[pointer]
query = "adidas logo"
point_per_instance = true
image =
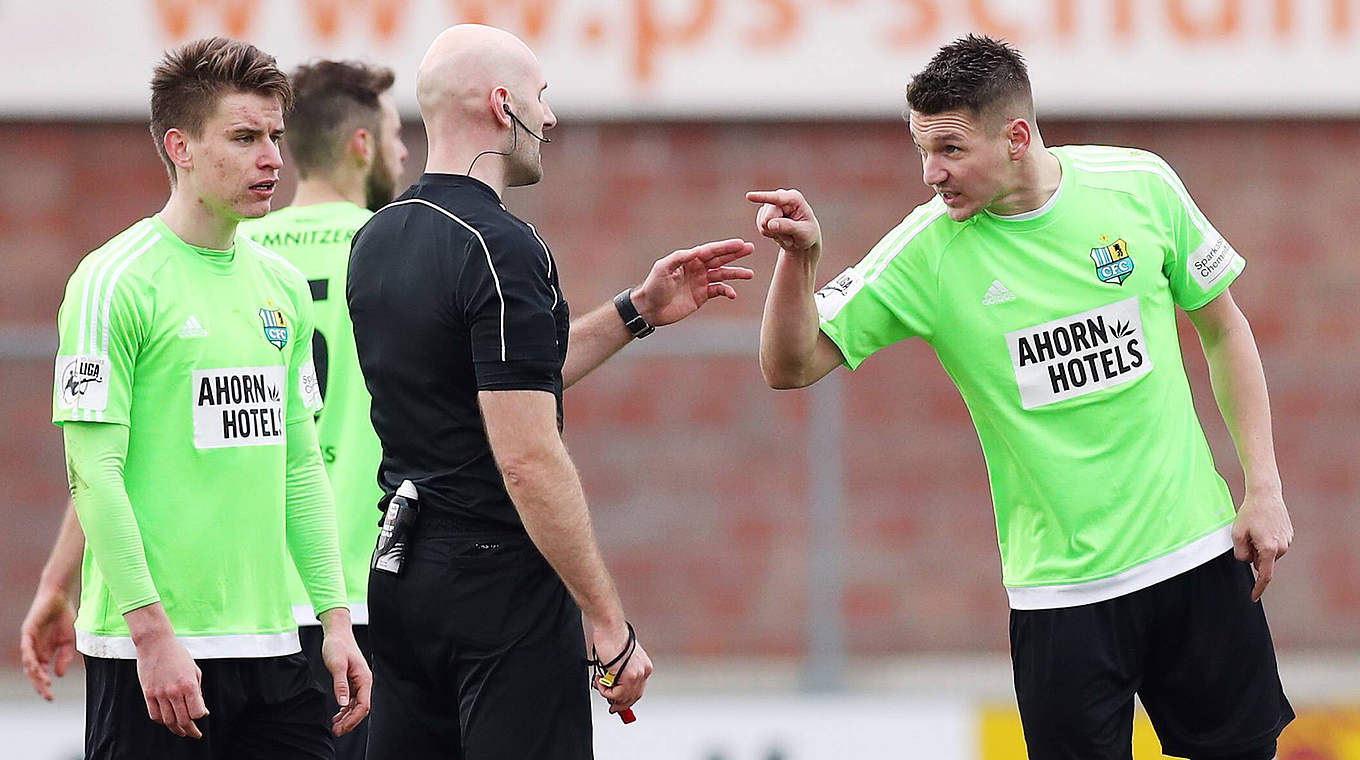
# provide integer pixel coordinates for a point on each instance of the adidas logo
(996, 294)
(193, 328)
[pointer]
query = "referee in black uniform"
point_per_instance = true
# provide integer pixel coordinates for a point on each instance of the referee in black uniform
(463, 335)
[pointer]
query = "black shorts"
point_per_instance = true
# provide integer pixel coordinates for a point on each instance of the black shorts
(258, 709)
(1195, 649)
(351, 745)
(478, 654)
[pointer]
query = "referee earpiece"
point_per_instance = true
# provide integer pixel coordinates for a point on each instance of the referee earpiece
(506, 107)
(517, 123)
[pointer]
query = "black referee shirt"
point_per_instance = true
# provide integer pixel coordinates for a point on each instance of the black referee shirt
(451, 294)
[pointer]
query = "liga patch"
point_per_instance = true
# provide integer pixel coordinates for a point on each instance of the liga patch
(836, 294)
(238, 406)
(1079, 354)
(1212, 260)
(82, 382)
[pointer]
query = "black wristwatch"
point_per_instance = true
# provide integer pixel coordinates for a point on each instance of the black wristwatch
(623, 303)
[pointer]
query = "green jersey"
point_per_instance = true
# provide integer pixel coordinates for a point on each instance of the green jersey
(1058, 328)
(316, 240)
(205, 356)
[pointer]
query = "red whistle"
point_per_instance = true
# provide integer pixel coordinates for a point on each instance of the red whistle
(627, 716)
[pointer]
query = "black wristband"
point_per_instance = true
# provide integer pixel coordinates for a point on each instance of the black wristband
(623, 303)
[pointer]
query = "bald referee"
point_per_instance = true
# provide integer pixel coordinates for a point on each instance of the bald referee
(463, 334)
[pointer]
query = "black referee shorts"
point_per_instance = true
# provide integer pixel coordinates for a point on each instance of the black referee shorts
(263, 708)
(1195, 649)
(351, 745)
(478, 655)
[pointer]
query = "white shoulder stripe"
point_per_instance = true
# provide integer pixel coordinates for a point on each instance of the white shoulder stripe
(103, 347)
(895, 242)
(265, 252)
(115, 249)
(494, 277)
(102, 317)
(548, 257)
(1151, 167)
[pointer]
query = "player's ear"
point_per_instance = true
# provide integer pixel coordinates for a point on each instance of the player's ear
(362, 146)
(177, 148)
(1019, 135)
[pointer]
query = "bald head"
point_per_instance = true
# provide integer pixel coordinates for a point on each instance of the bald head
(472, 81)
(465, 64)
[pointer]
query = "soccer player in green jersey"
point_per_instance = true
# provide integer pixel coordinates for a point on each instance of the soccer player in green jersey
(186, 393)
(344, 137)
(1046, 280)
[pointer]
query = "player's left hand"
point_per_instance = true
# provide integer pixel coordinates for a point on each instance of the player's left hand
(1262, 534)
(684, 280)
(352, 680)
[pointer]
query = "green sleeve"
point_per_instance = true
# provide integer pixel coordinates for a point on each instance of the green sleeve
(312, 536)
(304, 393)
(1201, 263)
(95, 455)
(100, 329)
(887, 297)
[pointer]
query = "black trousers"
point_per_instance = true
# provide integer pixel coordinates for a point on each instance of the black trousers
(478, 654)
(264, 708)
(1195, 649)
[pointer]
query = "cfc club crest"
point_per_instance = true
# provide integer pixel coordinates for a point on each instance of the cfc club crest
(275, 327)
(1113, 262)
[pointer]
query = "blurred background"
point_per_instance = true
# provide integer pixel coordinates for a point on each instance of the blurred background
(814, 572)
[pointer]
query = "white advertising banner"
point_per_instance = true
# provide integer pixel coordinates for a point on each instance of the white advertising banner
(729, 58)
(717, 727)
(792, 727)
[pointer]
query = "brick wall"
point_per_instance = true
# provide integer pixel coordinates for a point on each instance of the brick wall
(697, 472)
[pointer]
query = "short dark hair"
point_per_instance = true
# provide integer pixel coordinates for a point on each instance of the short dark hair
(190, 79)
(333, 99)
(973, 73)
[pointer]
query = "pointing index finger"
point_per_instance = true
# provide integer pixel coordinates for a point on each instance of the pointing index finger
(774, 197)
(1264, 572)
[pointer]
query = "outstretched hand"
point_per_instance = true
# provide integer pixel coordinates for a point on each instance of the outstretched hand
(683, 281)
(786, 218)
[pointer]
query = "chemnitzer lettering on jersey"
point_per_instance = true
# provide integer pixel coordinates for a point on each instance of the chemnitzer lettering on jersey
(238, 406)
(83, 382)
(276, 240)
(1079, 354)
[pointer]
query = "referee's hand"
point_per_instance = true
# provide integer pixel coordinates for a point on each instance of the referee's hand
(628, 685)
